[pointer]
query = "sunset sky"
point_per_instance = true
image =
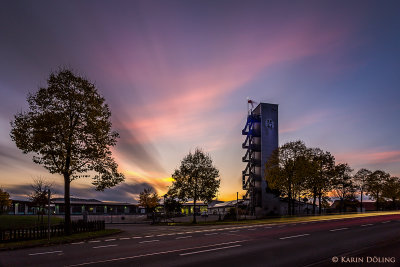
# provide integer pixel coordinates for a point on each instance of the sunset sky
(176, 75)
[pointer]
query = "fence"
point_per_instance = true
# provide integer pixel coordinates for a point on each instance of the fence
(40, 232)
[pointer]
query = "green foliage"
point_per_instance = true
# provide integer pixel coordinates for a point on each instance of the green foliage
(196, 179)
(172, 205)
(68, 129)
(344, 188)
(375, 184)
(391, 189)
(5, 200)
(149, 199)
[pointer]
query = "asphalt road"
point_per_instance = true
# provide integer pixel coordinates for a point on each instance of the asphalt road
(366, 241)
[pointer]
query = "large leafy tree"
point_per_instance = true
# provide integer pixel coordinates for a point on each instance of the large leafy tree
(149, 199)
(5, 200)
(319, 182)
(285, 171)
(343, 184)
(391, 189)
(68, 129)
(196, 179)
(375, 184)
(360, 181)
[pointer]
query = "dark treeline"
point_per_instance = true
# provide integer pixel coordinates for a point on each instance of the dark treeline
(297, 172)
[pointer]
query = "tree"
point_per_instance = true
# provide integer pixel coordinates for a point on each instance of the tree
(5, 200)
(284, 171)
(68, 128)
(149, 199)
(360, 181)
(391, 189)
(196, 179)
(40, 196)
(172, 205)
(319, 182)
(374, 185)
(343, 186)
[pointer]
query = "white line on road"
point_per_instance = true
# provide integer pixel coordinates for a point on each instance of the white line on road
(293, 236)
(77, 243)
(94, 241)
(106, 246)
(124, 238)
(136, 237)
(212, 234)
(47, 252)
(149, 235)
(182, 237)
(367, 224)
(339, 229)
(281, 226)
(386, 222)
(149, 241)
(207, 250)
(251, 229)
(156, 253)
(108, 240)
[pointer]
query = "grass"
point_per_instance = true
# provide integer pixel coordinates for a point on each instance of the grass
(58, 239)
(25, 221)
(290, 219)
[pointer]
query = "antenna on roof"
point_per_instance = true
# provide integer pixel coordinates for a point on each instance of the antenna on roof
(250, 105)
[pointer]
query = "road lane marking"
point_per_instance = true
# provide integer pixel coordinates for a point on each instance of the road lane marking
(108, 240)
(339, 229)
(281, 226)
(94, 241)
(211, 234)
(149, 236)
(107, 246)
(251, 229)
(182, 237)
(293, 236)
(369, 224)
(188, 232)
(124, 238)
(386, 222)
(149, 241)
(77, 243)
(207, 250)
(155, 253)
(47, 252)
(136, 237)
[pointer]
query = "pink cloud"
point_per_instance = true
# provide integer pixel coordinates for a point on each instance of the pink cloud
(369, 157)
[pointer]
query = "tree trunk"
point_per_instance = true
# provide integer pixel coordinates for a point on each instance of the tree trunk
(67, 202)
(194, 211)
(361, 201)
(320, 203)
(377, 202)
(314, 201)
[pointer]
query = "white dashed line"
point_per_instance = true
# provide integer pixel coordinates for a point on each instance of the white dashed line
(367, 224)
(212, 234)
(108, 240)
(386, 222)
(135, 237)
(207, 250)
(234, 231)
(182, 237)
(105, 246)
(339, 229)
(77, 243)
(293, 236)
(251, 229)
(124, 238)
(47, 252)
(149, 236)
(149, 241)
(94, 241)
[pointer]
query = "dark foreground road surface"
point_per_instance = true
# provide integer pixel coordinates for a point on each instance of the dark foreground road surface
(369, 241)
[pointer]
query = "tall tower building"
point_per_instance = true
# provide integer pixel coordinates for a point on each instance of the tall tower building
(261, 131)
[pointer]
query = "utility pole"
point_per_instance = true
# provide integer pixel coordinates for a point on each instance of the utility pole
(48, 215)
(237, 206)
